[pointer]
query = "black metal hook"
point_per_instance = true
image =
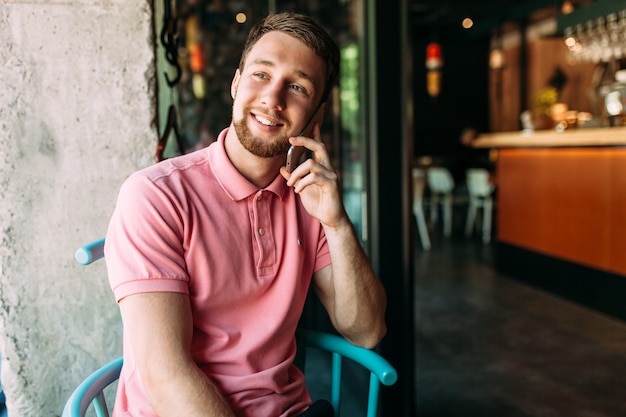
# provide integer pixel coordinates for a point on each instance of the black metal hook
(171, 125)
(169, 40)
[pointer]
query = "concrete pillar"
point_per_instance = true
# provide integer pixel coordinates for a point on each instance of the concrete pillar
(77, 106)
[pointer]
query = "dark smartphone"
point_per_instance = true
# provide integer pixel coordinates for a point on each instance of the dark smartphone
(295, 153)
(294, 157)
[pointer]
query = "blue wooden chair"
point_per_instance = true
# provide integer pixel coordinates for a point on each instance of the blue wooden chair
(91, 390)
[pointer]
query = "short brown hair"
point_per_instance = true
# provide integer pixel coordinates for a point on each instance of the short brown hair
(305, 29)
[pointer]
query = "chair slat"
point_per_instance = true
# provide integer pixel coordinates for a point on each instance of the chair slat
(335, 394)
(100, 405)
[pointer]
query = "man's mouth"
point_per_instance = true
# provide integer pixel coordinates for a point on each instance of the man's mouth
(267, 122)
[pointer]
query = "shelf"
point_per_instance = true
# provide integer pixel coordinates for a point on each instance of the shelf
(615, 136)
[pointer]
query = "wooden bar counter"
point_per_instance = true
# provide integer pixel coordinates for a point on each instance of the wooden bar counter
(563, 195)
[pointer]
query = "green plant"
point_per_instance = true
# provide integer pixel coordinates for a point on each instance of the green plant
(543, 100)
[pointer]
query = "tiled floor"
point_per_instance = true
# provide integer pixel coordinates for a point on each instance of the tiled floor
(488, 345)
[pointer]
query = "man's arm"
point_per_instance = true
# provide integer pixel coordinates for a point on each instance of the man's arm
(160, 327)
(352, 294)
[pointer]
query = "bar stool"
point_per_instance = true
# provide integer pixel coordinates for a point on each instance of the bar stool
(441, 185)
(480, 191)
(419, 183)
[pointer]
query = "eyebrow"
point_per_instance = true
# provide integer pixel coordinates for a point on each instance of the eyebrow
(268, 63)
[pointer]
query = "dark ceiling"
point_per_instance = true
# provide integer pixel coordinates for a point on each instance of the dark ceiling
(486, 14)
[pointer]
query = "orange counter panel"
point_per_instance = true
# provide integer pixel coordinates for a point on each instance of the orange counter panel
(569, 203)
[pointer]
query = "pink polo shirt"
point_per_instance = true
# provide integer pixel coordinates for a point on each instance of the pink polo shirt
(245, 256)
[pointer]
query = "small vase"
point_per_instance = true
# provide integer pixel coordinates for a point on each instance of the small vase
(543, 122)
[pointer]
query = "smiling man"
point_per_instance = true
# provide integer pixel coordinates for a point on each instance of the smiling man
(211, 254)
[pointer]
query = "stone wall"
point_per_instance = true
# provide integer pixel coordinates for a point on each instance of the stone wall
(77, 104)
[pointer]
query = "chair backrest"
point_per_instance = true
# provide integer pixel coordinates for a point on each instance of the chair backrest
(90, 253)
(478, 183)
(381, 371)
(91, 390)
(419, 183)
(440, 180)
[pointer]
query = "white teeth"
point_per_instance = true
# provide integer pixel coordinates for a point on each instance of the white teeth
(265, 121)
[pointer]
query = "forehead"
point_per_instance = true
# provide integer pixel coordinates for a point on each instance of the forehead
(277, 49)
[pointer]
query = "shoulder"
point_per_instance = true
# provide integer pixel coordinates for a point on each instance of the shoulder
(170, 174)
(178, 166)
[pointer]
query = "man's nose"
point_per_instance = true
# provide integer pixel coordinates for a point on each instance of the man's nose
(273, 96)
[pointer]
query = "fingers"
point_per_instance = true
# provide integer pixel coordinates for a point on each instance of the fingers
(315, 145)
(319, 164)
(317, 170)
(312, 173)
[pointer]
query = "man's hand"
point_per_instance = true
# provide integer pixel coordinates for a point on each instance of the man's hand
(317, 182)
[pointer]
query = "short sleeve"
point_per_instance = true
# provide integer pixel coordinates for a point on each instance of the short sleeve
(143, 247)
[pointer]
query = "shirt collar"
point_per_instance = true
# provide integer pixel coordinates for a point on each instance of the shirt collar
(230, 179)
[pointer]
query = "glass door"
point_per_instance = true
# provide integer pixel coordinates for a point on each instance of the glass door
(210, 36)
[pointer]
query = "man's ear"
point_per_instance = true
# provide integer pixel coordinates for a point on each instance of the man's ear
(235, 83)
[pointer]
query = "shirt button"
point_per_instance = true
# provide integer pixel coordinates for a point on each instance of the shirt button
(261, 231)
(259, 197)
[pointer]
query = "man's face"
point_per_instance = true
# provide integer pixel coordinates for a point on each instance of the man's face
(277, 92)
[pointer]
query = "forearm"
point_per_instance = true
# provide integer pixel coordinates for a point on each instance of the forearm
(184, 391)
(358, 297)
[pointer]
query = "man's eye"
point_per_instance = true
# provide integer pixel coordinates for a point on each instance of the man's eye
(260, 75)
(298, 88)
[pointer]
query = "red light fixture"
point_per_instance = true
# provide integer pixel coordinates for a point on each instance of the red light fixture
(434, 62)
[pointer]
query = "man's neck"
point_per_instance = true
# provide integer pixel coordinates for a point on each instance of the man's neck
(259, 171)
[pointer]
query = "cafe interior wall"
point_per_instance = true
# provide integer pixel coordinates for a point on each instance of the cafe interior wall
(473, 95)
(77, 111)
(543, 57)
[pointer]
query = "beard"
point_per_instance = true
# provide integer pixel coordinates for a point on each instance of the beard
(258, 146)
